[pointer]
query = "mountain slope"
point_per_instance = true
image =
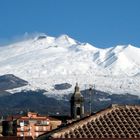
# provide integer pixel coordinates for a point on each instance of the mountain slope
(46, 61)
(10, 81)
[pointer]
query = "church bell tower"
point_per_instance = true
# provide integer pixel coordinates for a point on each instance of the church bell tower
(77, 104)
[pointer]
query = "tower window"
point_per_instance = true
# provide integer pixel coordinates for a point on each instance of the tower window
(78, 110)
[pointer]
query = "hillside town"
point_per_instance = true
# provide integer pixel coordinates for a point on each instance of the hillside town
(116, 121)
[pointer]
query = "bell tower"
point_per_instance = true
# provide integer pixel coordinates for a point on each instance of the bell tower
(77, 104)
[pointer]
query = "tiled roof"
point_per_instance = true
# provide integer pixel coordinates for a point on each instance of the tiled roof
(20, 117)
(39, 118)
(114, 122)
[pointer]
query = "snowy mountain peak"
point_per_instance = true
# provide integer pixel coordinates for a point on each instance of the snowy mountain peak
(120, 48)
(41, 36)
(86, 47)
(44, 61)
(65, 39)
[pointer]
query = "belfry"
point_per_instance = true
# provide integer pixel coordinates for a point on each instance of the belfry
(77, 104)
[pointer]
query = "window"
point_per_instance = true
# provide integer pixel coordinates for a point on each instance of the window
(37, 128)
(36, 134)
(22, 128)
(78, 110)
(44, 128)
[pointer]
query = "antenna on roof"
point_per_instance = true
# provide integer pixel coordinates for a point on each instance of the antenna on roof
(91, 88)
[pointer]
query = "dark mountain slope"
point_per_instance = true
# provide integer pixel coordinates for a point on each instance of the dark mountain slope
(9, 81)
(38, 102)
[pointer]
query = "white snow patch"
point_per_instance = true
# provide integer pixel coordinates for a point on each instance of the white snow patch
(48, 61)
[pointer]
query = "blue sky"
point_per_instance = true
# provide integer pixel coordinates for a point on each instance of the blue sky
(103, 23)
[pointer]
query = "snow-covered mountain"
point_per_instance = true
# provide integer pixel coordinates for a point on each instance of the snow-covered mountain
(45, 61)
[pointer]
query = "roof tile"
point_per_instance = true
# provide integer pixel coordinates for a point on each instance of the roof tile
(114, 122)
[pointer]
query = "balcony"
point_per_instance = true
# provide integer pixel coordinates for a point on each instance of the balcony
(23, 129)
(42, 128)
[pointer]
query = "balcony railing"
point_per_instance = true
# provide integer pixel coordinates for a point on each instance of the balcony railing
(23, 129)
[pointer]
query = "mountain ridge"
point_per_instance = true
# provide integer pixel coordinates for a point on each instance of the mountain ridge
(44, 61)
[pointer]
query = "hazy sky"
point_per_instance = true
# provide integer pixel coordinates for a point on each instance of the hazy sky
(103, 23)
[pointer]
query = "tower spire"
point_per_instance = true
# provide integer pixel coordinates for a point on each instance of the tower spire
(77, 89)
(77, 106)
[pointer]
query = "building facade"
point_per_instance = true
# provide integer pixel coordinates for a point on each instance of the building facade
(30, 125)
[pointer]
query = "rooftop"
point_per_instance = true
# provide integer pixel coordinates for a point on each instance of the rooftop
(113, 122)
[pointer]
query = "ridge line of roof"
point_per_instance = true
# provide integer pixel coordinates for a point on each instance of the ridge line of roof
(83, 121)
